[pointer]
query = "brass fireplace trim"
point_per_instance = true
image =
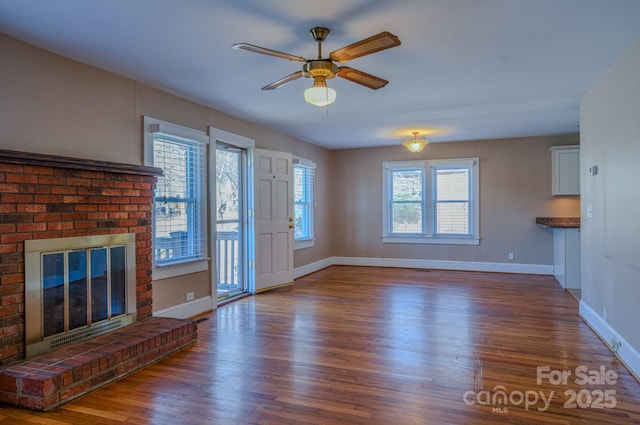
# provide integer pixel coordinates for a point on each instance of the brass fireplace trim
(35, 343)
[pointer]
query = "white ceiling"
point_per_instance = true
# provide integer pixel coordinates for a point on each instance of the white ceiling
(473, 69)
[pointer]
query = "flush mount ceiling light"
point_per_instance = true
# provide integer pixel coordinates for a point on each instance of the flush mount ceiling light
(416, 144)
(323, 69)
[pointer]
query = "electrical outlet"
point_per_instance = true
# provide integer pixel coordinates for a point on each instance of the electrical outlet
(190, 296)
(510, 255)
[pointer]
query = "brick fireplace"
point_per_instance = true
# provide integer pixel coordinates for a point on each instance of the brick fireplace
(48, 200)
(44, 197)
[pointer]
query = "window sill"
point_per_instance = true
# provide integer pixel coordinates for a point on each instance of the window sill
(432, 240)
(303, 245)
(179, 269)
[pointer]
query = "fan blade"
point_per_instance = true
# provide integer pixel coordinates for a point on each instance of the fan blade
(281, 82)
(376, 43)
(265, 51)
(360, 77)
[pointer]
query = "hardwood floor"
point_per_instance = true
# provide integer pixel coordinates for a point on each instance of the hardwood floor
(352, 345)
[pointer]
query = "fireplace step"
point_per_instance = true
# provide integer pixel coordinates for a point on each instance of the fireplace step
(49, 380)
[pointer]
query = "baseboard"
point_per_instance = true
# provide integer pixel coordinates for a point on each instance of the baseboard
(541, 269)
(626, 352)
(357, 261)
(188, 309)
(312, 267)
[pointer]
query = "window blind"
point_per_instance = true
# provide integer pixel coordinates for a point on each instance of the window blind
(452, 201)
(180, 199)
(304, 199)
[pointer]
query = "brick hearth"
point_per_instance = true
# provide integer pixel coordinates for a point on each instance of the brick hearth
(47, 381)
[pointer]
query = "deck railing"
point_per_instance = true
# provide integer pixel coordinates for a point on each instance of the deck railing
(227, 260)
(227, 256)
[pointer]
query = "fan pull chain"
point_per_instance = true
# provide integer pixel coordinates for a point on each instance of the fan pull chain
(326, 93)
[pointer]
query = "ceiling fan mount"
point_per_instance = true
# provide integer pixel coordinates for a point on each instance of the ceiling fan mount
(322, 69)
(319, 67)
(320, 33)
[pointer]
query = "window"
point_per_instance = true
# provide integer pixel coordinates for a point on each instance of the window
(432, 201)
(303, 202)
(179, 210)
(406, 199)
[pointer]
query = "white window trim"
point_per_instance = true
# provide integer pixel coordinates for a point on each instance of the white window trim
(151, 127)
(433, 240)
(217, 135)
(428, 237)
(306, 243)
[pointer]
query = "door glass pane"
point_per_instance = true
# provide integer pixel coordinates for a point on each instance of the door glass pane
(53, 293)
(99, 310)
(118, 294)
(229, 212)
(77, 289)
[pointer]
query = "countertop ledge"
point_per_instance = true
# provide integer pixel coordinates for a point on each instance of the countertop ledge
(564, 222)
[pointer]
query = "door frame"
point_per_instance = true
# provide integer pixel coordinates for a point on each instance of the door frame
(216, 135)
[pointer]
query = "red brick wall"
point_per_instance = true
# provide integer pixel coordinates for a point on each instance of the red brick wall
(40, 202)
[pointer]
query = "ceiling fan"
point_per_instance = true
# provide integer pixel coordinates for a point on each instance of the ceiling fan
(322, 69)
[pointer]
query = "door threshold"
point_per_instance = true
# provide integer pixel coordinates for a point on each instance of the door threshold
(233, 298)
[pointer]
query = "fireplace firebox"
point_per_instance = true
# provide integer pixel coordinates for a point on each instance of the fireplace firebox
(77, 288)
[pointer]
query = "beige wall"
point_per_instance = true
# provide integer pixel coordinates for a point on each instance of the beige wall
(515, 187)
(169, 292)
(610, 131)
(54, 105)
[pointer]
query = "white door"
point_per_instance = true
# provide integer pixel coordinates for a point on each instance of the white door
(273, 216)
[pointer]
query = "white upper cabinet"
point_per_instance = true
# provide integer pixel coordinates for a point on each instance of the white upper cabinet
(565, 166)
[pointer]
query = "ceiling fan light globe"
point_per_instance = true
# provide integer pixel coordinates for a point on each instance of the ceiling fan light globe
(320, 96)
